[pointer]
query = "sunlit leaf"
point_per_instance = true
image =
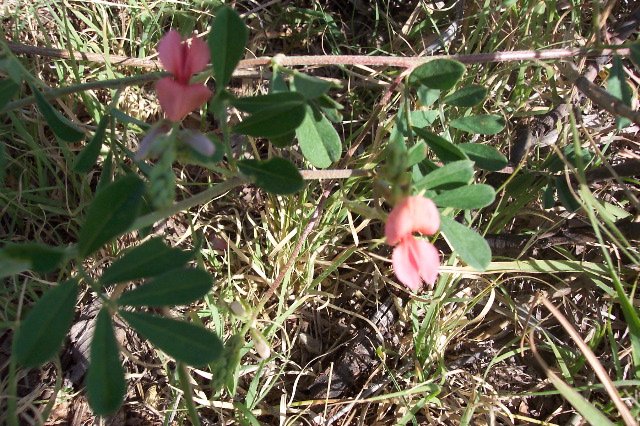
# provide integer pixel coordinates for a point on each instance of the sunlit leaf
(479, 124)
(472, 248)
(485, 156)
(468, 96)
(444, 149)
(227, 40)
(274, 120)
(318, 139)
(617, 85)
(466, 197)
(457, 172)
(310, 87)
(441, 74)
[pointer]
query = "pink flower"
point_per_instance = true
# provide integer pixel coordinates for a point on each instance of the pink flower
(182, 58)
(414, 261)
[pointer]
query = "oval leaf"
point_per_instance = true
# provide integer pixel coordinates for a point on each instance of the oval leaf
(466, 197)
(444, 149)
(105, 379)
(457, 172)
(39, 257)
(89, 154)
(469, 245)
(189, 343)
(310, 87)
(147, 260)
(61, 126)
(253, 104)
(110, 214)
(42, 331)
(318, 140)
(441, 74)
(485, 156)
(276, 175)
(273, 121)
(482, 124)
(467, 96)
(617, 85)
(176, 287)
(227, 40)
(426, 96)
(565, 195)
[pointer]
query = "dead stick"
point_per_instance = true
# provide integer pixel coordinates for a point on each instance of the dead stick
(598, 95)
(391, 61)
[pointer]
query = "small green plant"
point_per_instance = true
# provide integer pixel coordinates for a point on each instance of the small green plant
(423, 179)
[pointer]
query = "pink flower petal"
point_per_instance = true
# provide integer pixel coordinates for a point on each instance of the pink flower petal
(197, 56)
(426, 217)
(177, 100)
(412, 214)
(415, 261)
(171, 53)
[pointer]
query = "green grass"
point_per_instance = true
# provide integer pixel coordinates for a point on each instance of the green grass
(457, 355)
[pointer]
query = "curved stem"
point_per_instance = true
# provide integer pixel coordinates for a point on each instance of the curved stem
(185, 385)
(115, 83)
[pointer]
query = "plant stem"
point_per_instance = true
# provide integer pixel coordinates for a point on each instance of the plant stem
(185, 385)
(115, 83)
(187, 203)
(309, 60)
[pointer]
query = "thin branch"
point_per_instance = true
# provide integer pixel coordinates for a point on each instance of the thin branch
(597, 95)
(322, 60)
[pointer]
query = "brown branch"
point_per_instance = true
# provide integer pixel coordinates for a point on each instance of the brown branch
(323, 60)
(625, 169)
(597, 95)
(541, 129)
